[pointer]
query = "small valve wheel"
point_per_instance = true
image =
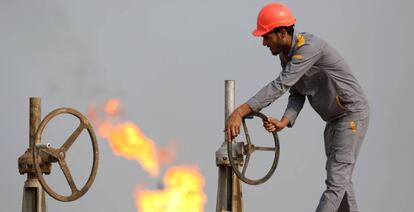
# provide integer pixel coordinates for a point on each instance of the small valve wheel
(248, 149)
(59, 155)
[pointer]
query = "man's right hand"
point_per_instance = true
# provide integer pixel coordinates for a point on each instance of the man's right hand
(233, 125)
(234, 121)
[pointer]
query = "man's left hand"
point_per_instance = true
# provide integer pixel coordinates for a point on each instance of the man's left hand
(274, 125)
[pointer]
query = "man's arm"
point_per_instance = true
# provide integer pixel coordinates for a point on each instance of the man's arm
(295, 105)
(303, 59)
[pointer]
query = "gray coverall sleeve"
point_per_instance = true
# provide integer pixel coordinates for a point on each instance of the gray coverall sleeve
(303, 59)
(295, 104)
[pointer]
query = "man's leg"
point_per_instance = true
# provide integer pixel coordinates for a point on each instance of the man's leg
(344, 207)
(343, 139)
(348, 203)
(337, 183)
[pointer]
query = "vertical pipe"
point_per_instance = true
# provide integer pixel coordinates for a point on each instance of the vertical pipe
(33, 193)
(228, 109)
(225, 173)
(228, 98)
(221, 202)
(35, 111)
(229, 196)
(34, 121)
(234, 192)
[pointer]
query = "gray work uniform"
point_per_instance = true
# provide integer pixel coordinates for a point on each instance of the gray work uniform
(315, 70)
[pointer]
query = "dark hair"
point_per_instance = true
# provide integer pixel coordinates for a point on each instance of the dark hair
(289, 29)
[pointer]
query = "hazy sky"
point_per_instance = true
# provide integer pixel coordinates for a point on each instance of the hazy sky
(167, 62)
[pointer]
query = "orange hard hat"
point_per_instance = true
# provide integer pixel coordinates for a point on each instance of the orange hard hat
(271, 16)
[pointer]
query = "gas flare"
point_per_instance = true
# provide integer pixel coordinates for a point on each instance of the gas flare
(183, 192)
(125, 138)
(182, 185)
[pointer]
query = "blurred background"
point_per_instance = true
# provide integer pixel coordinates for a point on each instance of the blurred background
(166, 62)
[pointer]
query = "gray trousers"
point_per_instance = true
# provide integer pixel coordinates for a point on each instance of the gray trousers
(343, 139)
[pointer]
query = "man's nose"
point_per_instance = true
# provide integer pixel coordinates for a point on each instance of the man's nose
(264, 42)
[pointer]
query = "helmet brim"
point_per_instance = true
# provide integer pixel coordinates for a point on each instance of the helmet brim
(259, 33)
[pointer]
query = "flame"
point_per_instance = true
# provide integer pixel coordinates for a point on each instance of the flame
(112, 106)
(125, 138)
(183, 193)
(183, 185)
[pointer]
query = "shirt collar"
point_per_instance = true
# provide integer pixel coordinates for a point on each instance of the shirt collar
(292, 46)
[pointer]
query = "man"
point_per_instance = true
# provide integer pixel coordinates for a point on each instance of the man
(312, 69)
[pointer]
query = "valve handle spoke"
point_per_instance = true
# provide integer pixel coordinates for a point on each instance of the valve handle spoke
(261, 148)
(245, 164)
(68, 175)
(68, 143)
(246, 132)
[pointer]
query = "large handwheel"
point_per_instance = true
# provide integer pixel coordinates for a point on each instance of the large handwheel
(59, 154)
(248, 149)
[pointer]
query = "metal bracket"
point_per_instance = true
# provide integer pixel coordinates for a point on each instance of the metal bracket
(222, 157)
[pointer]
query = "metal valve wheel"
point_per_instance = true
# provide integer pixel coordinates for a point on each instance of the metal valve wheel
(248, 149)
(59, 154)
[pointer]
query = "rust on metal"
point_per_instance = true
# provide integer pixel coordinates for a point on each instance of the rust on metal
(25, 163)
(35, 116)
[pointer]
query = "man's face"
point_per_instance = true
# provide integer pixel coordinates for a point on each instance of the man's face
(274, 41)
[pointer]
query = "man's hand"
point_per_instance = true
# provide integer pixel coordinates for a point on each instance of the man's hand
(234, 121)
(233, 125)
(273, 124)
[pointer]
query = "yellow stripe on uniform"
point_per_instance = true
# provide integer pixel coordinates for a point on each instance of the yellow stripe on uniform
(297, 56)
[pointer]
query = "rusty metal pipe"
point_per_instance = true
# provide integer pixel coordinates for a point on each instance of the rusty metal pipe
(33, 194)
(35, 113)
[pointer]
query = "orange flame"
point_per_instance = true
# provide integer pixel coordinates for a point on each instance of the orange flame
(112, 107)
(183, 193)
(126, 139)
(184, 185)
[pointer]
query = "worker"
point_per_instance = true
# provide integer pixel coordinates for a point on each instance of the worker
(312, 68)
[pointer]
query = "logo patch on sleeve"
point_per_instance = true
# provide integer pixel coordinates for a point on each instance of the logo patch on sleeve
(300, 40)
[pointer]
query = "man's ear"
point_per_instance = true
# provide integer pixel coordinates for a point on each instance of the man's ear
(282, 33)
